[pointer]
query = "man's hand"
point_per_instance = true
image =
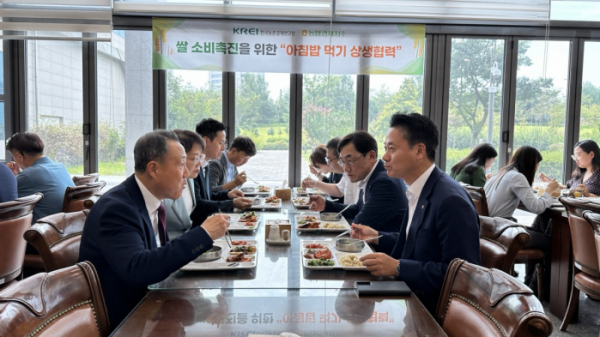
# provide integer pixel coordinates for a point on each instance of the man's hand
(380, 264)
(242, 203)
(363, 232)
(544, 178)
(240, 179)
(216, 226)
(235, 194)
(13, 167)
(308, 182)
(313, 170)
(317, 203)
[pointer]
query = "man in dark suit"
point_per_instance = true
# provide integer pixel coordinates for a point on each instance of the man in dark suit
(223, 171)
(381, 200)
(209, 202)
(124, 236)
(441, 223)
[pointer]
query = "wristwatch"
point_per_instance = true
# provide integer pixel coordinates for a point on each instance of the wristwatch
(398, 268)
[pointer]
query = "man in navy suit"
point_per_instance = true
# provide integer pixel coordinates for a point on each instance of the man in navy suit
(381, 200)
(124, 235)
(441, 223)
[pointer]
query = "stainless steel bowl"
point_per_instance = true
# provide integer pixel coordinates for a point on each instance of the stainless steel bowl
(330, 216)
(256, 201)
(247, 189)
(349, 245)
(210, 255)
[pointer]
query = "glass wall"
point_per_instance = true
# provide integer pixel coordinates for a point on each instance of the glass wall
(475, 100)
(191, 96)
(541, 101)
(262, 112)
(328, 111)
(124, 101)
(589, 127)
(55, 99)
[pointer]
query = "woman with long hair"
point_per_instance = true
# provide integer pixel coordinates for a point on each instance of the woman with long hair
(471, 170)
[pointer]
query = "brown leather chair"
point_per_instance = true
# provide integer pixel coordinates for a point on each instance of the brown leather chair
(57, 237)
(583, 218)
(65, 302)
(477, 194)
(499, 242)
(86, 179)
(75, 196)
(477, 301)
(15, 219)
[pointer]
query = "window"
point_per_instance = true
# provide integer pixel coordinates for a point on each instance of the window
(262, 112)
(328, 111)
(475, 101)
(589, 128)
(191, 96)
(55, 99)
(541, 101)
(389, 94)
(124, 101)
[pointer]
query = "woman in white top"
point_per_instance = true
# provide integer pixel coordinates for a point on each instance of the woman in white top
(512, 184)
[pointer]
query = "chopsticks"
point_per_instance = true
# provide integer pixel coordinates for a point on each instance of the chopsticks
(230, 241)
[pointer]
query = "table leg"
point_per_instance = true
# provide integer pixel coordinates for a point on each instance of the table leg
(560, 282)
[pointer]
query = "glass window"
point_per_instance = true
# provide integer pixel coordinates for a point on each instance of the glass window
(2, 136)
(589, 127)
(191, 96)
(55, 99)
(124, 101)
(262, 112)
(541, 101)
(2, 69)
(475, 101)
(328, 111)
(389, 94)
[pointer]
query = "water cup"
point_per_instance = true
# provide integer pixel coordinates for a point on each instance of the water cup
(285, 235)
(274, 233)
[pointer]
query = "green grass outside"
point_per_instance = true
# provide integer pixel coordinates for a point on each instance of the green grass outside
(106, 168)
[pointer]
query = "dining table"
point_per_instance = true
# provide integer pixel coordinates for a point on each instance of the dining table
(278, 295)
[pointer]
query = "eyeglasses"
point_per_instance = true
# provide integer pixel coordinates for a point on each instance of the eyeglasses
(350, 162)
(197, 159)
(329, 161)
(576, 156)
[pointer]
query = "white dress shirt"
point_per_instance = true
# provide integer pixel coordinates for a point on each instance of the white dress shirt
(349, 189)
(152, 205)
(230, 169)
(362, 185)
(413, 193)
(187, 198)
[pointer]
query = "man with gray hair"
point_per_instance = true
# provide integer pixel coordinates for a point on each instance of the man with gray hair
(124, 235)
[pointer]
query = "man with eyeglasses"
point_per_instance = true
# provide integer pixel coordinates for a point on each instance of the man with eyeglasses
(381, 201)
(346, 190)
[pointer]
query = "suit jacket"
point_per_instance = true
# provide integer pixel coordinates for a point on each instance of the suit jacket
(218, 173)
(178, 218)
(206, 191)
(384, 206)
(445, 226)
(119, 241)
(205, 207)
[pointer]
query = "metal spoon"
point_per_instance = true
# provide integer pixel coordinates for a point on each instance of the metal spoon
(365, 240)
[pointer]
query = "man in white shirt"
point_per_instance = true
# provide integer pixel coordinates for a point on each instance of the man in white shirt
(441, 224)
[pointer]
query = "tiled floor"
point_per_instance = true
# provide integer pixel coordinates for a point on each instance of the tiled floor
(588, 323)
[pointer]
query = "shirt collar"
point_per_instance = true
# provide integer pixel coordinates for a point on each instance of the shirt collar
(416, 187)
(152, 203)
(364, 182)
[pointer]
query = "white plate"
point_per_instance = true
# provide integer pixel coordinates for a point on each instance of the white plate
(265, 206)
(236, 225)
(300, 193)
(253, 191)
(313, 191)
(334, 257)
(338, 257)
(221, 263)
(342, 222)
(299, 205)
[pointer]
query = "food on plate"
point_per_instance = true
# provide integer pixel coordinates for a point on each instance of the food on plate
(239, 258)
(350, 260)
(243, 249)
(250, 224)
(300, 201)
(320, 263)
(272, 200)
(318, 254)
(310, 225)
(333, 225)
(248, 217)
(262, 188)
(299, 189)
(314, 245)
(238, 243)
(307, 218)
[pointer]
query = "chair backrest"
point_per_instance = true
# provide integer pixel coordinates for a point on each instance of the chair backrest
(86, 179)
(57, 238)
(499, 242)
(582, 235)
(477, 194)
(15, 219)
(594, 219)
(65, 302)
(478, 301)
(75, 196)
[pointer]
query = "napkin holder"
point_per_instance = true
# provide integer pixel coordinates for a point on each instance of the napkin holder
(283, 193)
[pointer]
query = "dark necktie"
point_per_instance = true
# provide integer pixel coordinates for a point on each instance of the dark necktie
(360, 197)
(162, 221)
(207, 186)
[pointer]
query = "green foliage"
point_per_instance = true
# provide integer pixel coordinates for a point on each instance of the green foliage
(188, 105)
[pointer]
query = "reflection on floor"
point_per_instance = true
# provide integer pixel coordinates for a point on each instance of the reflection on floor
(588, 323)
